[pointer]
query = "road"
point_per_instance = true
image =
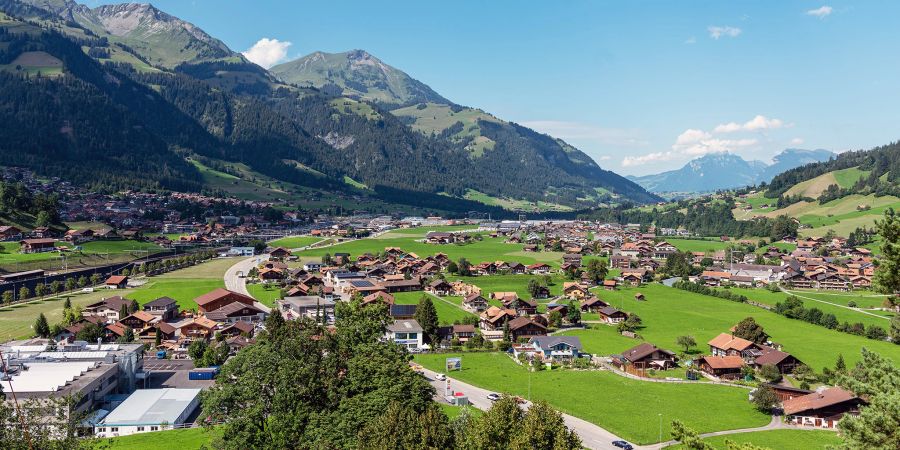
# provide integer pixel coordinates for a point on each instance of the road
(592, 436)
(236, 283)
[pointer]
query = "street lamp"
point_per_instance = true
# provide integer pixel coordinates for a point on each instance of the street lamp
(660, 427)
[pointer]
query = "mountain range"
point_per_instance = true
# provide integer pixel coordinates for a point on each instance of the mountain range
(717, 171)
(145, 99)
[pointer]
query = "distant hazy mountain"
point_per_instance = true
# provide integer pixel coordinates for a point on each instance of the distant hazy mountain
(725, 171)
(357, 73)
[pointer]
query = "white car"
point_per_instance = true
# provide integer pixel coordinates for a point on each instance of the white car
(493, 396)
(440, 377)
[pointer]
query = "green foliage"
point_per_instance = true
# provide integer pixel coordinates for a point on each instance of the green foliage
(887, 275)
(750, 330)
(686, 342)
(41, 328)
(877, 379)
(770, 373)
(52, 423)
(574, 313)
(427, 317)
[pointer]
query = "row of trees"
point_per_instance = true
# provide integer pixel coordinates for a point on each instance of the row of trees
(793, 308)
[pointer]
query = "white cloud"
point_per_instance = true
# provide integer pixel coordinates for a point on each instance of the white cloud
(691, 40)
(796, 141)
(755, 124)
(604, 158)
(578, 131)
(267, 52)
(716, 32)
(820, 12)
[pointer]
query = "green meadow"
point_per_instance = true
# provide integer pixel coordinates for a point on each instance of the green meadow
(629, 408)
(791, 439)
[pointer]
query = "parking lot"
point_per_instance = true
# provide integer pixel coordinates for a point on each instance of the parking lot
(172, 373)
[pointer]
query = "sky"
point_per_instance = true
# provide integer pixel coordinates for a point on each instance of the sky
(640, 86)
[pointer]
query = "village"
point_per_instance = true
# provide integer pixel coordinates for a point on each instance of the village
(544, 313)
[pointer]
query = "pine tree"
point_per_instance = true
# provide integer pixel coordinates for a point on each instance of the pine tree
(427, 317)
(41, 327)
(887, 275)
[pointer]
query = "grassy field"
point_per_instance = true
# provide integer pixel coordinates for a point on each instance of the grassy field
(265, 293)
(624, 406)
(513, 204)
(489, 249)
(182, 285)
(863, 299)
(182, 439)
(669, 313)
(94, 252)
(292, 242)
(778, 440)
(842, 314)
(698, 245)
(447, 312)
(606, 340)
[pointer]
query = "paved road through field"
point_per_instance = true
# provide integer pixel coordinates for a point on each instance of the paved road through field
(592, 436)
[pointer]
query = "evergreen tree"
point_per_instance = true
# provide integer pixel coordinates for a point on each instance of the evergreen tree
(427, 317)
(887, 275)
(41, 327)
(877, 379)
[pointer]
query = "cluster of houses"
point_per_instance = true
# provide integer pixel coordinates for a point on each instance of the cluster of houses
(219, 312)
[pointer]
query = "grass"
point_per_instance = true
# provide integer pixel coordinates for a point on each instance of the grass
(446, 311)
(624, 406)
(94, 252)
(186, 438)
(514, 204)
(489, 249)
(292, 242)
(778, 440)
(669, 313)
(453, 412)
(265, 293)
(842, 314)
(606, 340)
(698, 245)
(182, 285)
(863, 299)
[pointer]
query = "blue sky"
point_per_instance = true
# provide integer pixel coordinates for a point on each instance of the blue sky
(640, 86)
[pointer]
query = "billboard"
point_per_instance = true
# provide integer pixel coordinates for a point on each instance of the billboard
(454, 364)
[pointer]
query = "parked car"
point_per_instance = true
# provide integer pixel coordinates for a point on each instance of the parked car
(623, 445)
(493, 396)
(440, 377)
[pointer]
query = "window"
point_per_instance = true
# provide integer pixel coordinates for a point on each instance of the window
(101, 430)
(154, 428)
(140, 428)
(114, 429)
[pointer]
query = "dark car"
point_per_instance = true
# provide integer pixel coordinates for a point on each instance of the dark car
(623, 445)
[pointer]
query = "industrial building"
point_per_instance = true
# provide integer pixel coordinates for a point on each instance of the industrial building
(149, 410)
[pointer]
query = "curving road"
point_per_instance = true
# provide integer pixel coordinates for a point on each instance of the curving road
(592, 436)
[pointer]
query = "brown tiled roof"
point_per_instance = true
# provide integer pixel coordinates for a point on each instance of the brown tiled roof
(641, 351)
(217, 294)
(726, 341)
(724, 362)
(817, 400)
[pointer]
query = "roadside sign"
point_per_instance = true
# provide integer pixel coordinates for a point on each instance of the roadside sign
(454, 364)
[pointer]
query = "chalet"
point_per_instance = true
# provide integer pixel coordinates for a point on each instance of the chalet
(279, 253)
(530, 248)
(610, 285)
(237, 311)
(495, 318)
(475, 303)
(117, 282)
(268, 275)
(538, 269)
(634, 277)
(504, 297)
(572, 259)
(108, 308)
(715, 278)
(164, 307)
(237, 329)
(786, 392)
(612, 315)
(107, 234)
(785, 362)
(524, 327)
(521, 306)
(113, 332)
(78, 236)
(439, 287)
(728, 367)
(729, 345)
(593, 304)
(821, 409)
(378, 297)
(410, 285)
(574, 290)
(219, 298)
(541, 292)
(645, 356)
(139, 320)
(619, 262)
(516, 268)
(198, 328)
(167, 332)
(556, 348)
(440, 237)
(42, 233)
(10, 233)
(462, 333)
(362, 287)
(37, 245)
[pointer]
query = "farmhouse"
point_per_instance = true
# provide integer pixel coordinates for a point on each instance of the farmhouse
(218, 298)
(475, 303)
(10, 233)
(612, 315)
(163, 307)
(37, 245)
(525, 327)
(729, 345)
(728, 367)
(821, 409)
(645, 356)
(237, 311)
(117, 282)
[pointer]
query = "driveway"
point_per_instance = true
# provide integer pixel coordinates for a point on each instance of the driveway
(592, 436)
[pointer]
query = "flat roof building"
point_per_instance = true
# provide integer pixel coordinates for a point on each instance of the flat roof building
(149, 410)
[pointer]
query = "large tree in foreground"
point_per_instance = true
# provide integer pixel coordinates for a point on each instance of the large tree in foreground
(877, 427)
(887, 275)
